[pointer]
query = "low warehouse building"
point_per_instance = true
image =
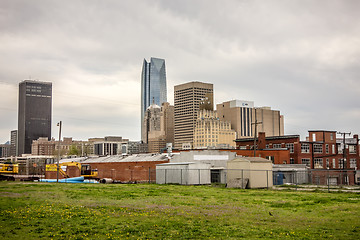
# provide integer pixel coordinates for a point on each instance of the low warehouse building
(249, 172)
(184, 173)
(134, 168)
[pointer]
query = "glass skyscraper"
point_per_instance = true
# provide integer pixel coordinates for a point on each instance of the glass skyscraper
(153, 85)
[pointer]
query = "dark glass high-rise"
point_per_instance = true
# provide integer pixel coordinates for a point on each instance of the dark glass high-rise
(34, 119)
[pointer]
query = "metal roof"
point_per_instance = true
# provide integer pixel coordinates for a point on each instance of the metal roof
(131, 158)
(267, 138)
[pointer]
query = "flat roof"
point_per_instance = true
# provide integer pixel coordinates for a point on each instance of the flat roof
(131, 158)
(268, 138)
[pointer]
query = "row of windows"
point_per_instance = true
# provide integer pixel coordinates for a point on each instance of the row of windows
(318, 162)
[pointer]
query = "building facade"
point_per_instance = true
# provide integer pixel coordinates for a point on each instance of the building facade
(5, 150)
(243, 114)
(13, 142)
(159, 127)
(321, 150)
(153, 85)
(110, 146)
(151, 123)
(167, 121)
(34, 119)
(43, 146)
(210, 131)
(187, 99)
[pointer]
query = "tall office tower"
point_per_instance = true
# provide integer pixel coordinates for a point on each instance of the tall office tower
(13, 143)
(187, 99)
(34, 119)
(153, 86)
(241, 114)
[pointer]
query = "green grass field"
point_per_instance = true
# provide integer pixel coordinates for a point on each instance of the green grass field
(149, 211)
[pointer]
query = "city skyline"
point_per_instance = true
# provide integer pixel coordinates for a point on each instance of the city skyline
(299, 57)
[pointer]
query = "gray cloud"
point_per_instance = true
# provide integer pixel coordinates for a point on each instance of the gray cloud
(301, 57)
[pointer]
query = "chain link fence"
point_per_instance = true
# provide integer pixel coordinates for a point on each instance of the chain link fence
(30, 170)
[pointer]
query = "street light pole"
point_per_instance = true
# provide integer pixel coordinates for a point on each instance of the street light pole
(58, 160)
(255, 133)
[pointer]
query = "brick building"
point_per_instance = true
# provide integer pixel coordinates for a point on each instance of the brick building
(134, 168)
(321, 150)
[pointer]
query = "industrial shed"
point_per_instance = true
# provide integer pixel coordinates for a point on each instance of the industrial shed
(249, 172)
(184, 173)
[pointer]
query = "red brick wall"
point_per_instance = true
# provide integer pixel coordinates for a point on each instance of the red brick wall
(127, 171)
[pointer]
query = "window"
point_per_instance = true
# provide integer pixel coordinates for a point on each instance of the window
(318, 148)
(313, 137)
(267, 146)
(292, 161)
(327, 148)
(332, 148)
(305, 148)
(242, 147)
(277, 145)
(327, 163)
(305, 161)
(318, 163)
(290, 146)
(331, 136)
(352, 162)
(333, 163)
(352, 149)
(271, 158)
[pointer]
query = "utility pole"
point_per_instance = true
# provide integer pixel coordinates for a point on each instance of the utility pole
(58, 160)
(255, 133)
(344, 147)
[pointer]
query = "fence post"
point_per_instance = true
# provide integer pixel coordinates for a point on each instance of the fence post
(242, 179)
(296, 179)
(267, 179)
(165, 175)
(149, 175)
(328, 182)
(181, 176)
(199, 176)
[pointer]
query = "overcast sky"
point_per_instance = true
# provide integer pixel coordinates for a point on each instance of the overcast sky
(299, 57)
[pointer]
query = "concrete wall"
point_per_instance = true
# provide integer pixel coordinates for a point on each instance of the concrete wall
(257, 171)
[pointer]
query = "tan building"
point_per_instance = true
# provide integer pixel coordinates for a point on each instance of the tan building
(210, 131)
(167, 121)
(68, 146)
(158, 126)
(187, 98)
(241, 114)
(272, 122)
(43, 146)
